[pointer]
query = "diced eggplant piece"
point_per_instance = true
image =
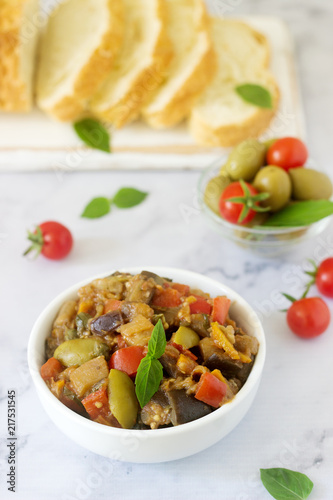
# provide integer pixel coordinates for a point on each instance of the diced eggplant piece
(69, 399)
(215, 358)
(170, 314)
(51, 344)
(186, 408)
(158, 280)
(132, 309)
(81, 323)
(64, 320)
(157, 411)
(107, 323)
(169, 361)
(139, 288)
(246, 344)
(104, 288)
(87, 375)
(200, 324)
(137, 332)
(66, 314)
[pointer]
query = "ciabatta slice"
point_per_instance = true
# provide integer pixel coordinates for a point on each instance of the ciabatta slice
(18, 38)
(77, 50)
(190, 70)
(140, 65)
(220, 117)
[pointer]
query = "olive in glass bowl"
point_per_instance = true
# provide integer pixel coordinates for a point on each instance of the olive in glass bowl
(263, 240)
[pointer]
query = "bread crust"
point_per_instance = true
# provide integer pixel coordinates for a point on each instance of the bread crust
(71, 107)
(15, 93)
(180, 103)
(231, 135)
(128, 108)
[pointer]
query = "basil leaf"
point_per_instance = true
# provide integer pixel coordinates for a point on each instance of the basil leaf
(147, 380)
(157, 341)
(96, 208)
(285, 484)
(301, 213)
(255, 94)
(93, 134)
(128, 197)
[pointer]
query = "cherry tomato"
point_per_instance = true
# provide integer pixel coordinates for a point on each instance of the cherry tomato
(51, 239)
(288, 152)
(231, 211)
(308, 317)
(324, 277)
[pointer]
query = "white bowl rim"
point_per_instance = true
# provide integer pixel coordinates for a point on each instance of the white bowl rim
(214, 416)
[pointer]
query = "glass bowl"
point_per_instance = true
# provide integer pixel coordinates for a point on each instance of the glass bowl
(268, 242)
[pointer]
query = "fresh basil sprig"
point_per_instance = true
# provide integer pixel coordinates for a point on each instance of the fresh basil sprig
(301, 213)
(150, 371)
(285, 484)
(93, 134)
(124, 198)
(255, 94)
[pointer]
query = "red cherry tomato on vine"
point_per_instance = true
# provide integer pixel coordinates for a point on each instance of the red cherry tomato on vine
(230, 210)
(308, 317)
(288, 152)
(51, 239)
(324, 277)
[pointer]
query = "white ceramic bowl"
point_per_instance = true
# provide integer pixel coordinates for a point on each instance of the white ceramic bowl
(159, 445)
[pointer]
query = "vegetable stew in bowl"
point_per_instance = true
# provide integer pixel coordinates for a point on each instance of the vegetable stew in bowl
(139, 351)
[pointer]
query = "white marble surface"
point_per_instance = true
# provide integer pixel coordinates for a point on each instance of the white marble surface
(290, 423)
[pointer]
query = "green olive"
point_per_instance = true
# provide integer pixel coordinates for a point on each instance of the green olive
(213, 191)
(276, 182)
(309, 184)
(270, 143)
(79, 351)
(246, 159)
(223, 171)
(122, 399)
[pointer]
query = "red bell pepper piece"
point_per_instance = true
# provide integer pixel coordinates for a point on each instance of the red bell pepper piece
(166, 298)
(127, 359)
(112, 305)
(182, 289)
(211, 390)
(51, 369)
(97, 403)
(201, 306)
(187, 352)
(221, 307)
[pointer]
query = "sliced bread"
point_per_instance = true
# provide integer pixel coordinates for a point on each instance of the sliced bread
(77, 50)
(190, 70)
(220, 117)
(140, 65)
(18, 39)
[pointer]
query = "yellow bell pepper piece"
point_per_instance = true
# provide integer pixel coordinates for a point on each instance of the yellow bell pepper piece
(222, 342)
(186, 337)
(244, 358)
